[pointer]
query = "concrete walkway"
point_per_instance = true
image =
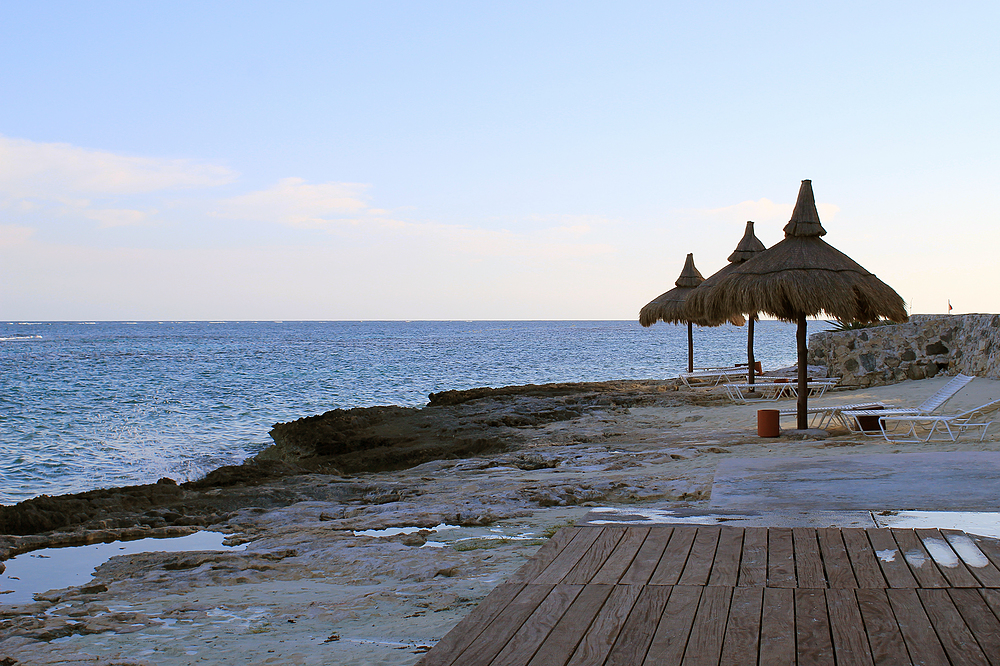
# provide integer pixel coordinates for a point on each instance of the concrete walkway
(949, 481)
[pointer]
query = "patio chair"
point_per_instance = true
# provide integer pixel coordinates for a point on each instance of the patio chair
(853, 417)
(817, 387)
(828, 414)
(744, 393)
(953, 425)
(713, 376)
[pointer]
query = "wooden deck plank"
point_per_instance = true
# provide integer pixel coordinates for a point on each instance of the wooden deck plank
(813, 642)
(777, 638)
(671, 637)
(957, 574)
(808, 561)
(989, 547)
(753, 563)
(859, 549)
(779, 612)
(850, 643)
(890, 559)
(922, 565)
(645, 561)
(980, 620)
(640, 627)
(548, 552)
(704, 645)
(992, 598)
(921, 641)
(956, 639)
(496, 635)
(780, 557)
(567, 558)
(572, 626)
(699, 562)
(471, 626)
(526, 640)
(839, 573)
(621, 559)
(884, 638)
(675, 556)
(726, 568)
(604, 630)
(596, 556)
(742, 643)
(968, 548)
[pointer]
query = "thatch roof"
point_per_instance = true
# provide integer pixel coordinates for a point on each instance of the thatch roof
(669, 306)
(802, 275)
(748, 247)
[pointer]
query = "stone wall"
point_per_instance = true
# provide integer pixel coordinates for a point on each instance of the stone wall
(923, 347)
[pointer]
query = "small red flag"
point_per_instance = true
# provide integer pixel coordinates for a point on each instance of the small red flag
(949, 306)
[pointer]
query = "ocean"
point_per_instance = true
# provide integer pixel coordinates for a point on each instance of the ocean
(86, 405)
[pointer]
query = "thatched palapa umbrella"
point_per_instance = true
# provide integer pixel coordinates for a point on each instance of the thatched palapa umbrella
(803, 276)
(669, 306)
(748, 246)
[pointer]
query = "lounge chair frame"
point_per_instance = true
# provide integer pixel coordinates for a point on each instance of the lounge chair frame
(713, 376)
(851, 417)
(953, 425)
(777, 390)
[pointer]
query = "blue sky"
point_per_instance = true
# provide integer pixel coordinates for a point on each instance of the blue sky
(439, 160)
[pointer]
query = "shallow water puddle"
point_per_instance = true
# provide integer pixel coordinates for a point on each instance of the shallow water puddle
(55, 568)
(395, 531)
(654, 517)
(973, 522)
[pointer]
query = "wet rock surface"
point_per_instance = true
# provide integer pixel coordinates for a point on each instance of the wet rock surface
(373, 567)
(456, 424)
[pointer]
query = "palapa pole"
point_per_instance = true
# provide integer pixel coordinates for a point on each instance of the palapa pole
(750, 359)
(802, 406)
(690, 347)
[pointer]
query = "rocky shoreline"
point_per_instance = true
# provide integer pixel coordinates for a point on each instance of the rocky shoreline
(300, 504)
(340, 443)
(470, 485)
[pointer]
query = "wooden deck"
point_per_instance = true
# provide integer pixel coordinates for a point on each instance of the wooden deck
(695, 594)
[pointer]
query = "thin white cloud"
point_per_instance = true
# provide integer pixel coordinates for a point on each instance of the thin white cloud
(56, 171)
(117, 217)
(295, 203)
(12, 235)
(545, 244)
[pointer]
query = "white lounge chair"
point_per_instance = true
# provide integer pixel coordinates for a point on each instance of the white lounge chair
(828, 414)
(771, 390)
(851, 418)
(713, 376)
(953, 425)
(759, 391)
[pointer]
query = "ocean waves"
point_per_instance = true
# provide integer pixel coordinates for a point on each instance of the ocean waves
(86, 405)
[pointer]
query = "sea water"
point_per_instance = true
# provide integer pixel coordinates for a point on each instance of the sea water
(94, 404)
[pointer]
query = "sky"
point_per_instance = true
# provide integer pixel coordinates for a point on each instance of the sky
(470, 160)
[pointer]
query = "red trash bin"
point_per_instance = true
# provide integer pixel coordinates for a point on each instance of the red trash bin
(870, 423)
(767, 423)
